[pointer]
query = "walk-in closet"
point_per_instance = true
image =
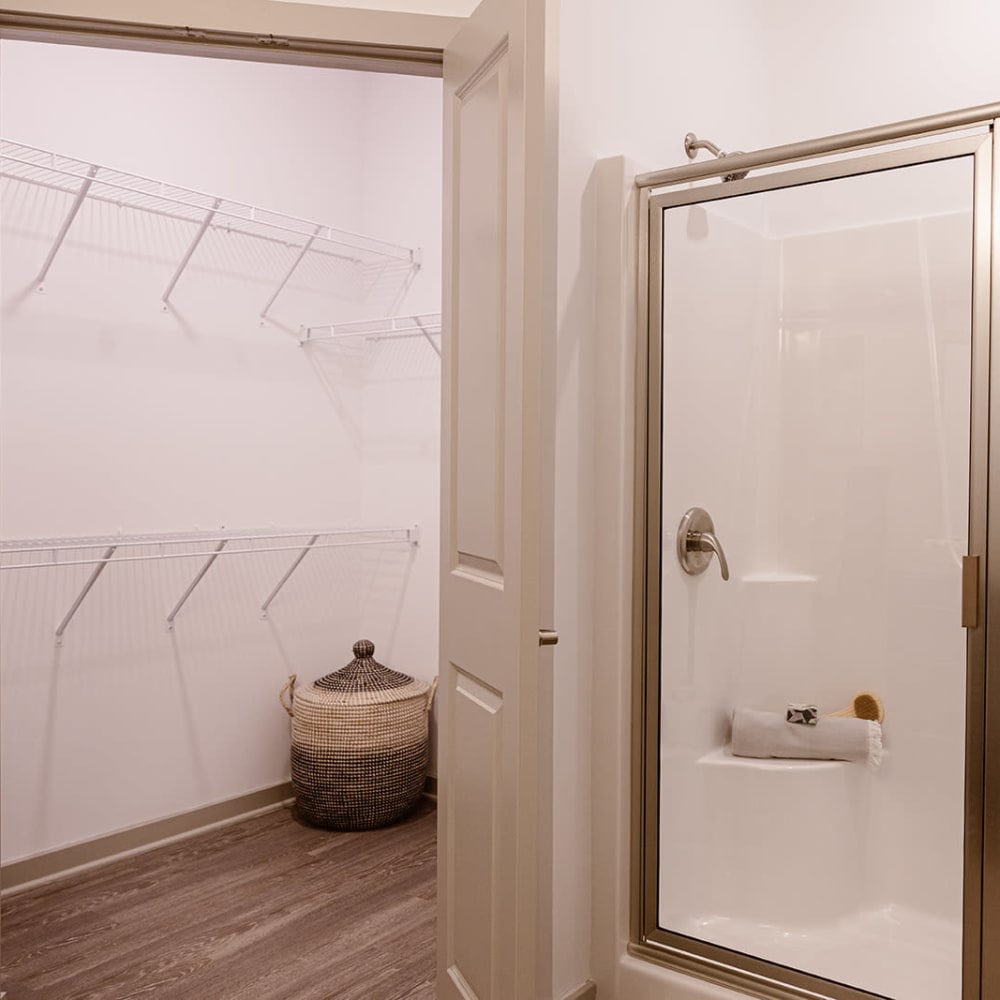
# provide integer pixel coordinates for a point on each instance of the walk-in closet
(220, 420)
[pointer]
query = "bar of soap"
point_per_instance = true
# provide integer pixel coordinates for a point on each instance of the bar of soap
(801, 714)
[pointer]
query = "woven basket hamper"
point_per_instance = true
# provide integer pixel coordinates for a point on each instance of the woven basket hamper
(359, 743)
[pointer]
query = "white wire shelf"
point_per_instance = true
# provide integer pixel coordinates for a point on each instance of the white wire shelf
(206, 212)
(426, 325)
(100, 551)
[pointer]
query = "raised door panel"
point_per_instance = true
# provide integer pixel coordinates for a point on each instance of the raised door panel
(479, 307)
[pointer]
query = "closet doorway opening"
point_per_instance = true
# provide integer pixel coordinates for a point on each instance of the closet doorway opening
(221, 286)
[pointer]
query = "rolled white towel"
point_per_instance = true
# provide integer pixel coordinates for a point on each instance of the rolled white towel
(767, 734)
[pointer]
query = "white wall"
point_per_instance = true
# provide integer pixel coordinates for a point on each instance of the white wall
(402, 378)
(118, 416)
(634, 78)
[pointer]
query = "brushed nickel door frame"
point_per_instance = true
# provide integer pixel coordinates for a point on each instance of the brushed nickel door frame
(907, 145)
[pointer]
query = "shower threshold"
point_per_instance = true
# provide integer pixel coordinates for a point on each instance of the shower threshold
(893, 950)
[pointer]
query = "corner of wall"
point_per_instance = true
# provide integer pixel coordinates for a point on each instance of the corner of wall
(615, 252)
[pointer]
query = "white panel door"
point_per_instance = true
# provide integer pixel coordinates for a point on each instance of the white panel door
(495, 580)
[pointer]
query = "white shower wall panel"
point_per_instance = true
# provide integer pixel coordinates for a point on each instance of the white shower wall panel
(118, 415)
(831, 447)
(875, 483)
(721, 319)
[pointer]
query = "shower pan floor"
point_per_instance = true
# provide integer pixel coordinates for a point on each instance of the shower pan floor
(893, 951)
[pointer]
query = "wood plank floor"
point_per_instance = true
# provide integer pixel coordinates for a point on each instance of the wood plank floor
(264, 908)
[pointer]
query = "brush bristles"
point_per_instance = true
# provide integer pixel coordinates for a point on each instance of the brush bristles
(867, 706)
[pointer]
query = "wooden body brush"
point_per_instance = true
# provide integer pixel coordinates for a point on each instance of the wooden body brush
(865, 705)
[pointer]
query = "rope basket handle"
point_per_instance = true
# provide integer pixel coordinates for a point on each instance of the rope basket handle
(430, 695)
(290, 688)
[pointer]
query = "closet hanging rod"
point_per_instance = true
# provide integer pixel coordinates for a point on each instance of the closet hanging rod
(197, 554)
(138, 185)
(433, 319)
(363, 537)
(425, 325)
(360, 536)
(382, 333)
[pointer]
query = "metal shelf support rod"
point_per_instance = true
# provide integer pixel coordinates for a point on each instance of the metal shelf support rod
(290, 272)
(92, 579)
(291, 569)
(202, 229)
(426, 333)
(81, 194)
(194, 583)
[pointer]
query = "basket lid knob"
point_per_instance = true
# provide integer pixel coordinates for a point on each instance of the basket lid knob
(363, 673)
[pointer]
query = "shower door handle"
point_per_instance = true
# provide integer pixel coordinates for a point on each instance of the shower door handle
(697, 541)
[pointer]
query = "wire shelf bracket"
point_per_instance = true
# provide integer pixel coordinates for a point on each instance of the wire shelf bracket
(199, 576)
(78, 201)
(306, 247)
(291, 569)
(98, 570)
(185, 260)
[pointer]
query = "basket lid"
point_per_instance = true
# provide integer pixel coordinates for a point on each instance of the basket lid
(363, 673)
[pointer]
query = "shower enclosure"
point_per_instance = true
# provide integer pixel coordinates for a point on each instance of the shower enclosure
(812, 524)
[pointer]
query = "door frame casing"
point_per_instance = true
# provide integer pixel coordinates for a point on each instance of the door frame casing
(907, 145)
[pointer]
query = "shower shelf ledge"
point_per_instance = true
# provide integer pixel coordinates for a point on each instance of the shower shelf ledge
(778, 577)
(722, 757)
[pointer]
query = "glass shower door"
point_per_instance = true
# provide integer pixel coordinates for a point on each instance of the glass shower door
(812, 425)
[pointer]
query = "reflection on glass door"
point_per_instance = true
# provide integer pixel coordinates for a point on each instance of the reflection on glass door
(815, 412)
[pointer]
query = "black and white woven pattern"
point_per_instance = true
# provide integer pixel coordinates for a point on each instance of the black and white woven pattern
(359, 744)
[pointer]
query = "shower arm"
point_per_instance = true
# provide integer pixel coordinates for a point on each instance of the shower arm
(692, 144)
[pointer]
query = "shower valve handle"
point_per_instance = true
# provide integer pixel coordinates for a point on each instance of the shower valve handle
(705, 541)
(697, 541)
